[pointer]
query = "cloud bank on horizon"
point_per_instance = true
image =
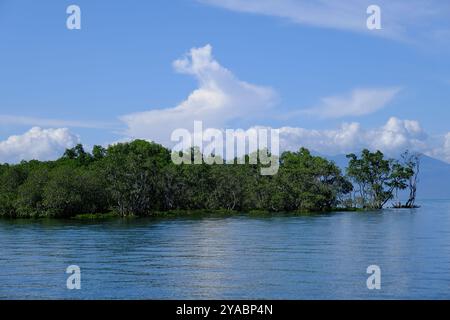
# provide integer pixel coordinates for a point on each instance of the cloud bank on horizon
(221, 99)
(392, 138)
(37, 143)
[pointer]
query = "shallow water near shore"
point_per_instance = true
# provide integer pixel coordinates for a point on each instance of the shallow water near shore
(238, 257)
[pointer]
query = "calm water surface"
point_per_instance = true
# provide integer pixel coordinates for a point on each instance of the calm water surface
(320, 257)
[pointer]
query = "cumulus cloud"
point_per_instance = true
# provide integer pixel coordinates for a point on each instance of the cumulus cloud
(222, 100)
(446, 148)
(359, 103)
(37, 143)
(219, 99)
(443, 151)
(392, 138)
(402, 20)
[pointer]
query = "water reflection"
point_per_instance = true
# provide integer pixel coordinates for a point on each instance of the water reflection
(319, 257)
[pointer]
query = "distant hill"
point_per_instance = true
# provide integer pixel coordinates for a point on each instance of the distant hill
(434, 178)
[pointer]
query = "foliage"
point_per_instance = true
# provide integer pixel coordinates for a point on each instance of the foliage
(138, 178)
(378, 179)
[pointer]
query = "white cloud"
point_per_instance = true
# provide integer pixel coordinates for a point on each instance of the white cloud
(442, 152)
(359, 103)
(37, 143)
(446, 147)
(402, 20)
(393, 138)
(220, 98)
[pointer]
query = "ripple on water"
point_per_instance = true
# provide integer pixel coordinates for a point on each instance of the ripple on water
(320, 257)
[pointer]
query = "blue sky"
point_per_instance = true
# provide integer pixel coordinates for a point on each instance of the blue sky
(310, 68)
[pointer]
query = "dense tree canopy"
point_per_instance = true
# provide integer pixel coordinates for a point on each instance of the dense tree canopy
(139, 178)
(378, 179)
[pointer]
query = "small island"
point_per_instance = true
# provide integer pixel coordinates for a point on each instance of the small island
(139, 179)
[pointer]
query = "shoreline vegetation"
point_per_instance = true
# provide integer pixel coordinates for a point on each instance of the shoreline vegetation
(210, 213)
(139, 179)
